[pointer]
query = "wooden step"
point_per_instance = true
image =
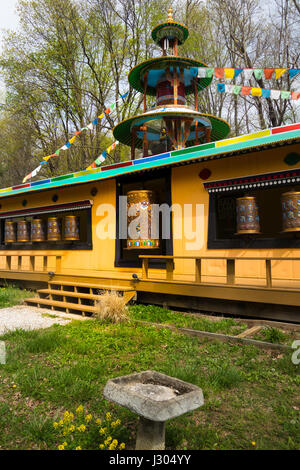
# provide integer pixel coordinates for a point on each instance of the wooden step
(91, 286)
(65, 305)
(66, 293)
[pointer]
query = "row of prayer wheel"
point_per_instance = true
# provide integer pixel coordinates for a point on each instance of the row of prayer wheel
(248, 215)
(36, 231)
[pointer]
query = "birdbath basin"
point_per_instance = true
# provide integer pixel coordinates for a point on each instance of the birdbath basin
(155, 397)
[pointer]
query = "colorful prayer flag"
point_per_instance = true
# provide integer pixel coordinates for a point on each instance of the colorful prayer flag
(258, 73)
(268, 73)
(221, 87)
(248, 73)
(246, 90)
(219, 72)
(229, 73)
(275, 94)
(279, 73)
(285, 95)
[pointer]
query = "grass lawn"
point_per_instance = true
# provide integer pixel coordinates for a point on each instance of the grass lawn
(251, 396)
(10, 296)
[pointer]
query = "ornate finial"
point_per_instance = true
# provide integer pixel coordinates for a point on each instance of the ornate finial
(170, 14)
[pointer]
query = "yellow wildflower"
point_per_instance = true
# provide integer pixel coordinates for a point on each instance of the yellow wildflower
(61, 423)
(108, 416)
(122, 446)
(102, 430)
(72, 428)
(61, 447)
(55, 425)
(88, 418)
(79, 409)
(101, 446)
(14, 385)
(81, 428)
(108, 440)
(78, 448)
(98, 421)
(253, 443)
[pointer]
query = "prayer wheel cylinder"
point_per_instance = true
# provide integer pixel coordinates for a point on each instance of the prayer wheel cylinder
(54, 229)
(23, 231)
(10, 232)
(141, 236)
(72, 228)
(247, 215)
(290, 203)
(38, 230)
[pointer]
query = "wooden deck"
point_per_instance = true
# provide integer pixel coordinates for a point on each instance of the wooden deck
(227, 296)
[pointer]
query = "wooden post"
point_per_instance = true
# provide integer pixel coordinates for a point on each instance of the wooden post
(145, 90)
(133, 135)
(170, 267)
(196, 94)
(175, 86)
(45, 263)
(207, 134)
(175, 47)
(268, 273)
(230, 273)
(19, 263)
(31, 263)
(198, 270)
(58, 264)
(145, 266)
(8, 263)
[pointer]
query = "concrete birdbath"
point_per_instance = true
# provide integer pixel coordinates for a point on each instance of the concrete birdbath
(155, 398)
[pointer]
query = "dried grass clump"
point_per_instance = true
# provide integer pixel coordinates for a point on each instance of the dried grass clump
(112, 308)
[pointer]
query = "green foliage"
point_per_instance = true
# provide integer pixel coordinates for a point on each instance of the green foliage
(244, 387)
(273, 335)
(83, 431)
(10, 296)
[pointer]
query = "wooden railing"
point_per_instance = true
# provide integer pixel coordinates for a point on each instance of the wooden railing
(230, 266)
(45, 266)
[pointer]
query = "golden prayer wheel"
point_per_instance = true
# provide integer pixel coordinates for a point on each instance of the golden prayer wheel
(10, 232)
(72, 228)
(54, 229)
(247, 216)
(38, 230)
(290, 203)
(23, 231)
(139, 235)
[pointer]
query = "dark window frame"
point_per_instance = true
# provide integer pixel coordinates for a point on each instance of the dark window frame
(49, 245)
(249, 242)
(168, 247)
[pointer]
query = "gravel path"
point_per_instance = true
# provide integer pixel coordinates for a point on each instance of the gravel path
(28, 318)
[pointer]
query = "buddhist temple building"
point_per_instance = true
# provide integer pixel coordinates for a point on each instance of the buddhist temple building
(226, 234)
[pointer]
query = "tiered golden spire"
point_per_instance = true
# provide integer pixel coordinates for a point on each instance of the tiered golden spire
(170, 14)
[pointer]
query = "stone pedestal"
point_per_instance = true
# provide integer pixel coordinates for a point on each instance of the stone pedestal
(150, 435)
(155, 397)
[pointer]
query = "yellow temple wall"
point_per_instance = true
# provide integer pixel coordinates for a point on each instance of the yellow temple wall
(187, 188)
(101, 257)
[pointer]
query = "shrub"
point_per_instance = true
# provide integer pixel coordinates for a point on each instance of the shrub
(112, 308)
(273, 335)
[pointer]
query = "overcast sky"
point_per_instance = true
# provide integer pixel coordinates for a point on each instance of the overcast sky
(8, 16)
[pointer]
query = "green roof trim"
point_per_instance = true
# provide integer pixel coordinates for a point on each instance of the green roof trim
(199, 153)
(135, 76)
